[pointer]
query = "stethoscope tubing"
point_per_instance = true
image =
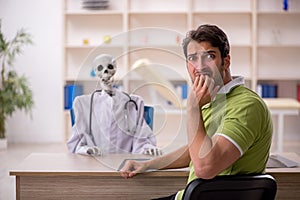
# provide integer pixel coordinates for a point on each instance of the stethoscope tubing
(125, 108)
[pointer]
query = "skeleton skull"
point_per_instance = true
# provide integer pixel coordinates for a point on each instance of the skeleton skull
(105, 68)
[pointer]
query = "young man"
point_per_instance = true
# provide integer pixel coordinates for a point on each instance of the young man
(229, 127)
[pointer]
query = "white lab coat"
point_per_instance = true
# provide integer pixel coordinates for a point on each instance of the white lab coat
(109, 127)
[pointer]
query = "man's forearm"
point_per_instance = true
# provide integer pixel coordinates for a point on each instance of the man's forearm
(177, 159)
(199, 142)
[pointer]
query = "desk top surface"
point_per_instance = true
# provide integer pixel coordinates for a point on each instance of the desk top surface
(39, 164)
(74, 164)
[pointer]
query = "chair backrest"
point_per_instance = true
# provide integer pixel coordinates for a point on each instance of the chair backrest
(72, 116)
(232, 187)
(148, 115)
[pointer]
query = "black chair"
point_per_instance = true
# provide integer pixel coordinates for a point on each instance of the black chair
(232, 187)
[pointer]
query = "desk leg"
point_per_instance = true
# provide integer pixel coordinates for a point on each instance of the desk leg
(280, 129)
(18, 188)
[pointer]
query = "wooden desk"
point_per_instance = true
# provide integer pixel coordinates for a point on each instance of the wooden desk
(288, 179)
(282, 107)
(65, 176)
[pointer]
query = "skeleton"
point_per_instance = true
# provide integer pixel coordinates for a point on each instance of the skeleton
(105, 68)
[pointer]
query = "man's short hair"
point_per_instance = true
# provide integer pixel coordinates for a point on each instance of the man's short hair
(208, 33)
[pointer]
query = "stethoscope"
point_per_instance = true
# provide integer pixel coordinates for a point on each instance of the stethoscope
(126, 113)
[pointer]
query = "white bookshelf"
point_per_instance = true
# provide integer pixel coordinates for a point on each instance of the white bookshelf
(264, 38)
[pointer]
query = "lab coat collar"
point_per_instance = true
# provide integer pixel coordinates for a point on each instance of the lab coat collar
(117, 95)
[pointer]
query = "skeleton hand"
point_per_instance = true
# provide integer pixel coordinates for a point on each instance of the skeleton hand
(153, 151)
(95, 151)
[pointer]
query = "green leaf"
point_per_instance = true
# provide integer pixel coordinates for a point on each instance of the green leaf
(15, 92)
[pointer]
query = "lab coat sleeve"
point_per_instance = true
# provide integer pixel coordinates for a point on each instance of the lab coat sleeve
(80, 141)
(144, 137)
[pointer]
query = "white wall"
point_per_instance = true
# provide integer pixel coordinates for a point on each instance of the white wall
(42, 64)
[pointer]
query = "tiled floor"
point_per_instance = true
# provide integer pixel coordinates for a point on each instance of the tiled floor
(15, 153)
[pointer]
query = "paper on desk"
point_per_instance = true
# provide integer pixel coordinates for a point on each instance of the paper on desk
(279, 161)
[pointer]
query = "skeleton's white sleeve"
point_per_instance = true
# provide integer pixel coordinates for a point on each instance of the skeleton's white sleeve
(82, 150)
(82, 144)
(144, 138)
(80, 140)
(77, 143)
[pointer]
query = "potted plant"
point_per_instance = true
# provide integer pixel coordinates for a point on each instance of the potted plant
(15, 93)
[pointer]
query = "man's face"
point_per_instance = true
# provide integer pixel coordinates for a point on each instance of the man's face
(204, 59)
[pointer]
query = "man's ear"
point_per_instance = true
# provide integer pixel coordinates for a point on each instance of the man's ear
(227, 62)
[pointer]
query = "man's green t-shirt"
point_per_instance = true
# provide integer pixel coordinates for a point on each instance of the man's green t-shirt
(242, 117)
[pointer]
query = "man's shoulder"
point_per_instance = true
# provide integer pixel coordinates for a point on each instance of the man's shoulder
(241, 92)
(248, 98)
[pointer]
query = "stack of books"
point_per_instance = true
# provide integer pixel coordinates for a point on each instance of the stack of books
(95, 4)
(267, 90)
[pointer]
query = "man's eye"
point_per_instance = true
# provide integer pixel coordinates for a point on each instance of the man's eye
(192, 58)
(209, 56)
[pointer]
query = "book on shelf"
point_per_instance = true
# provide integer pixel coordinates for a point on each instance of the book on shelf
(267, 90)
(298, 92)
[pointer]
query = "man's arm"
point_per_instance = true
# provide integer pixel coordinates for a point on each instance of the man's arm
(210, 156)
(177, 159)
